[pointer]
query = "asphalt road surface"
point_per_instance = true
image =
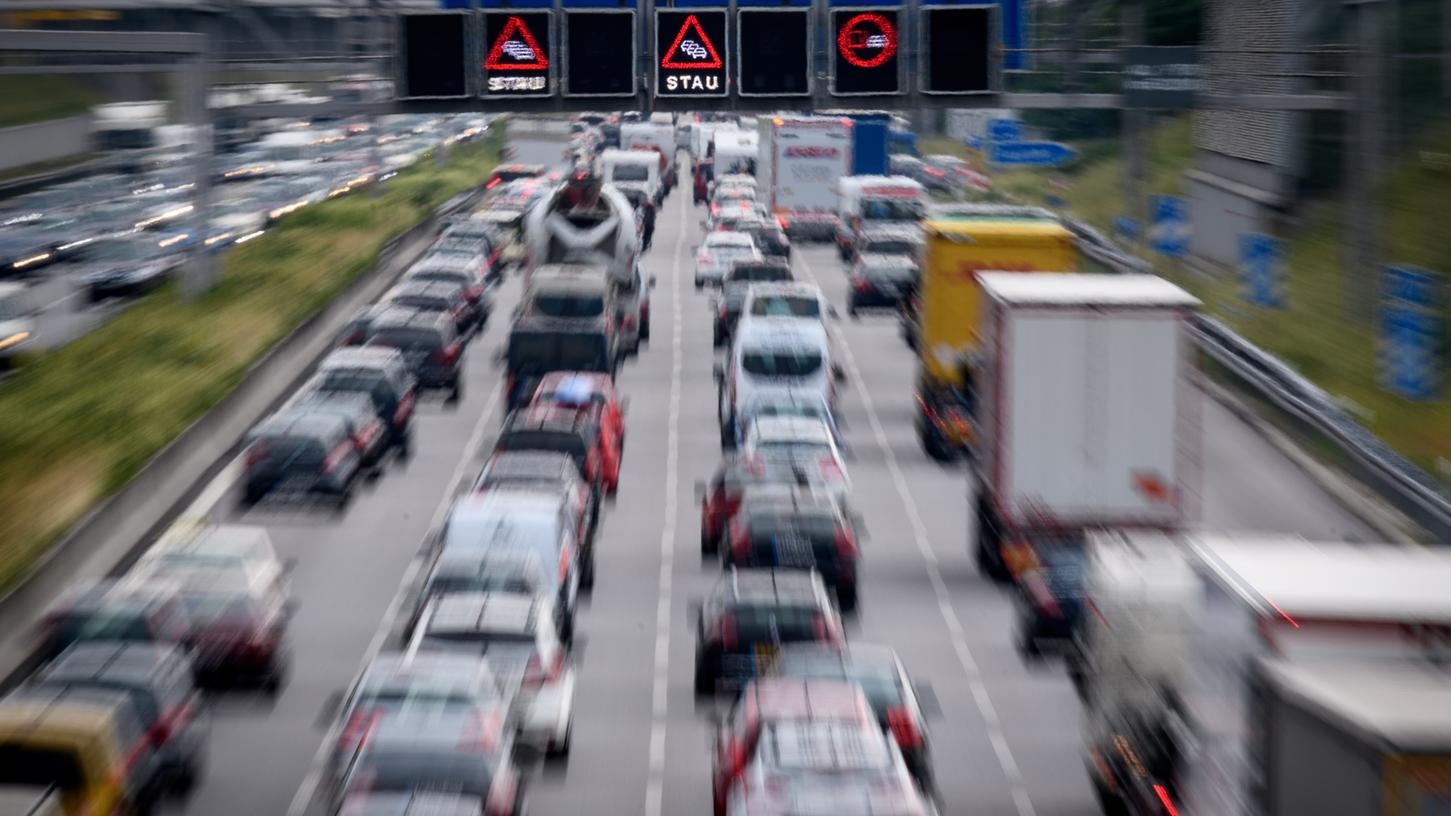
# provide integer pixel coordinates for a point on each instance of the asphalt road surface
(1006, 741)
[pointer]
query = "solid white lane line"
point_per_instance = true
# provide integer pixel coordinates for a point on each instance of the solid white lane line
(308, 788)
(969, 665)
(655, 785)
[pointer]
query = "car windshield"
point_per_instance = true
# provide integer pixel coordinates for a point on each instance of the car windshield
(892, 209)
(84, 626)
(781, 363)
(460, 772)
(893, 246)
(630, 172)
(786, 306)
(760, 273)
(725, 254)
(796, 448)
(427, 303)
(779, 624)
(569, 304)
(458, 278)
(517, 582)
(900, 274)
(405, 339)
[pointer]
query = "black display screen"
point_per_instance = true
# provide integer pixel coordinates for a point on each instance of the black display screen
(865, 51)
(433, 55)
(601, 50)
(959, 50)
(690, 52)
(517, 54)
(775, 52)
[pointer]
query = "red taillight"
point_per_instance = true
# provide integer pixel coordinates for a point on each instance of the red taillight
(256, 452)
(1168, 803)
(781, 220)
(369, 434)
(1042, 596)
(904, 728)
(404, 409)
(845, 544)
(338, 455)
(862, 285)
(822, 630)
(728, 639)
(474, 292)
(740, 543)
(448, 354)
(829, 468)
(494, 182)
(357, 728)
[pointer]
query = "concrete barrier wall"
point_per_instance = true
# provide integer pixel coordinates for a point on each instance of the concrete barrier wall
(107, 539)
(44, 141)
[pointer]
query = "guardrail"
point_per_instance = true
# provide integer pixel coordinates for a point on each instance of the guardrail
(1305, 411)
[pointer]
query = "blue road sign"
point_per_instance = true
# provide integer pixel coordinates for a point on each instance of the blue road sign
(1412, 332)
(973, 142)
(1169, 226)
(1126, 228)
(1004, 130)
(1262, 270)
(1014, 19)
(1039, 154)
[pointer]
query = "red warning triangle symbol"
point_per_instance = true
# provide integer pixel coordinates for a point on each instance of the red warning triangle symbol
(524, 52)
(700, 52)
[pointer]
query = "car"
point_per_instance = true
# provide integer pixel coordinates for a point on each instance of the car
(158, 679)
(770, 238)
(772, 715)
(429, 344)
(1050, 600)
(229, 546)
(959, 173)
(444, 297)
(717, 253)
(518, 636)
(807, 442)
(758, 270)
(521, 572)
(772, 355)
(786, 300)
(238, 631)
(555, 428)
(633, 311)
(382, 375)
(893, 239)
(309, 453)
(797, 529)
(721, 497)
(546, 521)
(369, 432)
(467, 754)
(894, 698)
(111, 611)
(881, 282)
(461, 270)
(355, 331)
(748, 616)
(737, 220)
(584, 391)
(128, 265)
(17, 319)
(728, 312)
(816, 766)
(451, 683)
(788, 403)
(412, 802)
(540, 470)
(476, 237)
(539, 345)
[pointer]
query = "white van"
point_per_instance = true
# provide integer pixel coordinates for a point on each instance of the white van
(17, 319)
(637, 166)
(773, 355)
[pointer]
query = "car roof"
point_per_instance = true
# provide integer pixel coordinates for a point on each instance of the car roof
(362, 357)
(723, 238)
(388, 669)
(880, 260)
(403, 317)
(785, 288)
(550, 418)
(771, 585)
(302, 423)
(782, 333)
(498, 612)
(507, 503)
(354, 401)
(131, 663)
(782, 427)
(416, 286)
(510, 560)
(409, 803)
(586, 381)
(530, 465)
(831, 746)
(767, 261)
(861, 654)
(789, 698)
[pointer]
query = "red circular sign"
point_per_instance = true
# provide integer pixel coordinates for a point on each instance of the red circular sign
(864, 34)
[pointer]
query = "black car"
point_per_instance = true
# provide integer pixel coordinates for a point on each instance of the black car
(131, 265)
(750, 614)
(310, 453)
(881, 282)
(728, 311)
(1050, 602)
(429, 344)
(112, 612)
(770, 239)
(355, 331)
(539, 345)
(789, 528)
(768, 270)
(380, 374)
(442, 297)
(367, 429)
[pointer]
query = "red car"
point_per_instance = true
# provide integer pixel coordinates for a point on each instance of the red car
(585, 392)
(768, 705)
(566, 430)
(721, 498)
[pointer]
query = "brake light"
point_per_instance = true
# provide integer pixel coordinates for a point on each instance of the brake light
(830, 470)
(448, 354)
(482, 731)
(1042, 597)
(357, 728)
(822, 630)
(862, 285)
(728, 639)
(904, 728)
(256, 452)
(338, 455)
(782, 221)
(845, 544)
(369, 434)
(740, 542)
(404, 409)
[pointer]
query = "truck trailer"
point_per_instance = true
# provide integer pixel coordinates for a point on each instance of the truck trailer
(801, 159)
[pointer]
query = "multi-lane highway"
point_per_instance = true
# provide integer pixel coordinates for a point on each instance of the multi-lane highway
(1006, 739)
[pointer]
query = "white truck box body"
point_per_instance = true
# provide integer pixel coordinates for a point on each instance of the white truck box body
(702, 135)
(736, 151)
(634, 135)
(647, 161)
(1250, 597)
(1087, 399)
(801, 160)
(537, 141)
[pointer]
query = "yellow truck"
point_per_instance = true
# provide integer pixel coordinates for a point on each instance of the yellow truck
(960, 242)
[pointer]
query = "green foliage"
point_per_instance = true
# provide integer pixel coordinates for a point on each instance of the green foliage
(40, 97)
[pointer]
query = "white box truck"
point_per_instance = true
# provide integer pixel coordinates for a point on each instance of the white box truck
(1086, 408)
(801, 158)
(537, 140)
(1190, 638)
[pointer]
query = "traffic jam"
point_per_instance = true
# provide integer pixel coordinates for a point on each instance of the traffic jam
(509, 350)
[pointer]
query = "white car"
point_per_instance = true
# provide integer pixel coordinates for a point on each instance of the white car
(809, 442)
(516, 633)
(719, 251)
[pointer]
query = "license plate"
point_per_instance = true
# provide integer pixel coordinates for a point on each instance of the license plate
(794, 551)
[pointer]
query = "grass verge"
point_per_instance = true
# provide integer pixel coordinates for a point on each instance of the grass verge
(80, 422)
(41, 97)
(1314, 333)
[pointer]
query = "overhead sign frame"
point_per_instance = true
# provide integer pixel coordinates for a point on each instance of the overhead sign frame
(546, 50)
(571, 14)
(401, 66)
(894, 51)
(716, 57)
(809, 73)
(993, 75)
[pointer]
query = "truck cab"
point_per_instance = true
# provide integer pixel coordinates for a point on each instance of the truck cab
(633, 166)
(865, 201)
